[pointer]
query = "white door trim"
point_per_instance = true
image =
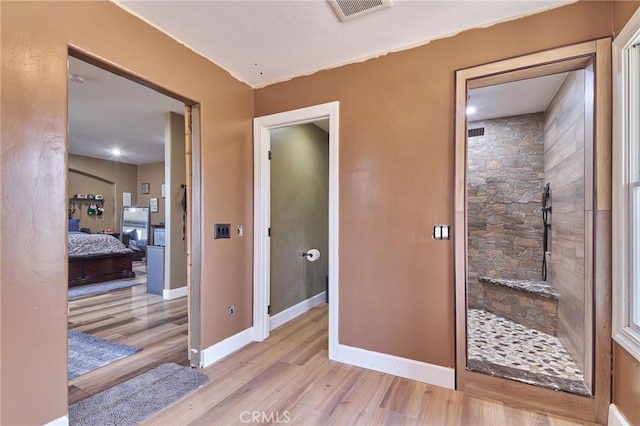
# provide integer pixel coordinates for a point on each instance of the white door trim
(262, 208)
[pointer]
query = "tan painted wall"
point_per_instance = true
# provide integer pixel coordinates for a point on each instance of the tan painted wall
(396, 174)
(299, 213)
(622, 11)
(176, 247)
(35, 37)
(626, 372)
(626, 384)
(153, 174)
(80, 183)
(564, 170)
(123, 176)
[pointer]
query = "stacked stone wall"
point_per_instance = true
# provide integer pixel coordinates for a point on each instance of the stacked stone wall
(505, 170)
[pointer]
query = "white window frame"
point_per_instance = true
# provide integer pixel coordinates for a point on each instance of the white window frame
(625, 130)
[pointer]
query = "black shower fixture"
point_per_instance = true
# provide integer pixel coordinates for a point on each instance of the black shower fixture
(546, 212)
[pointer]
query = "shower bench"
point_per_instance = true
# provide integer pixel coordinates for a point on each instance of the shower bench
(531, 303)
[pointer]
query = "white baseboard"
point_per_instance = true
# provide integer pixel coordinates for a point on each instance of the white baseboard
(174, 293)
(397, 366)
(62, 421)
(227, 346)
(296, 310)
(616, 418)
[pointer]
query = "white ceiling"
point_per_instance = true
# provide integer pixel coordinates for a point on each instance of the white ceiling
(514, 98)
(262, 42)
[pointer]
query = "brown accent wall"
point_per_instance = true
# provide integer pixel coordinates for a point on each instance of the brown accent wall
(564, 170)
(153, 174)
(81, 183)
(626, 384)
(115, 178)
(504, 174)
(299, 213)
(35, 37)
(622, 12)
(396, 174)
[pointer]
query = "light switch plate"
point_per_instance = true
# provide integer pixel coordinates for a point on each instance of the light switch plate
(221, 230)
(437, 232)
(445, 232)
(441, 232)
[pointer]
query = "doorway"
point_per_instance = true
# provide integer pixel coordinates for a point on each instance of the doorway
(150, 174)
(528, 297)
(263, 127)
(299, 214)
(532, 242)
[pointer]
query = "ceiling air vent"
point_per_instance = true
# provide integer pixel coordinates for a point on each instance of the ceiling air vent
(476, 132)
(351, 9)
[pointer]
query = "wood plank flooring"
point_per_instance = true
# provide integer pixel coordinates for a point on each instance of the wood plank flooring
(289, 379)
(133, 317)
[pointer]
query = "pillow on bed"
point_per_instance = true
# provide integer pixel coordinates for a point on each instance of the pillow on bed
(74, 225)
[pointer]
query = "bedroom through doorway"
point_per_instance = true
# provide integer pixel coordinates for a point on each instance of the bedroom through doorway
(127, 188)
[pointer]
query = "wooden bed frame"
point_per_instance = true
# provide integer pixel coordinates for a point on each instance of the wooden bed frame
(99, 268)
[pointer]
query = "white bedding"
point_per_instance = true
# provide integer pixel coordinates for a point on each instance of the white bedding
(82, 244)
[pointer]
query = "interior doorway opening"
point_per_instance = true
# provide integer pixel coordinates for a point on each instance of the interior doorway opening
(529, 300)
(263, 127)
(299, 267)
(136, 137)
(565, 236)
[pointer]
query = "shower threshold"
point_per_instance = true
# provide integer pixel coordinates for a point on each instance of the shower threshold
(503, 348)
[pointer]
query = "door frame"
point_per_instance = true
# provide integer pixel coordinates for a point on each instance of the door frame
(262, 127)
(561, 59)
(194, 233)
(194, 193)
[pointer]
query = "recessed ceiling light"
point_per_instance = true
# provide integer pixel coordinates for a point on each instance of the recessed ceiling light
(77, 78)
(116, 152)
(471, 110)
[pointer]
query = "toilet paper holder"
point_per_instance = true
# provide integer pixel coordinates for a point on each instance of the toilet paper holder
(311, 255)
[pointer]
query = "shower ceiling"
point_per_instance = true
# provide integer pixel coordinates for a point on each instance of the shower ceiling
(514, 98)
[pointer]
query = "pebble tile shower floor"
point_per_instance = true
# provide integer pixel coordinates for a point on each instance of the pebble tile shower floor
(495, 341)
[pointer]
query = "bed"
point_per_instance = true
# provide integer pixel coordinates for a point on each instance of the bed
(95, 258)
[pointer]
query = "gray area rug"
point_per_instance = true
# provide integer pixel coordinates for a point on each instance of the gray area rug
(131, 402)
(86, 353)
(87, 290)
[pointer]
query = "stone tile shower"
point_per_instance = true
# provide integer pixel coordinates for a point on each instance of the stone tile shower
(526, 291)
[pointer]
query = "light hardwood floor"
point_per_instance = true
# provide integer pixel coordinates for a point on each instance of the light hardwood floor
(289, 379)
(133, 317)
